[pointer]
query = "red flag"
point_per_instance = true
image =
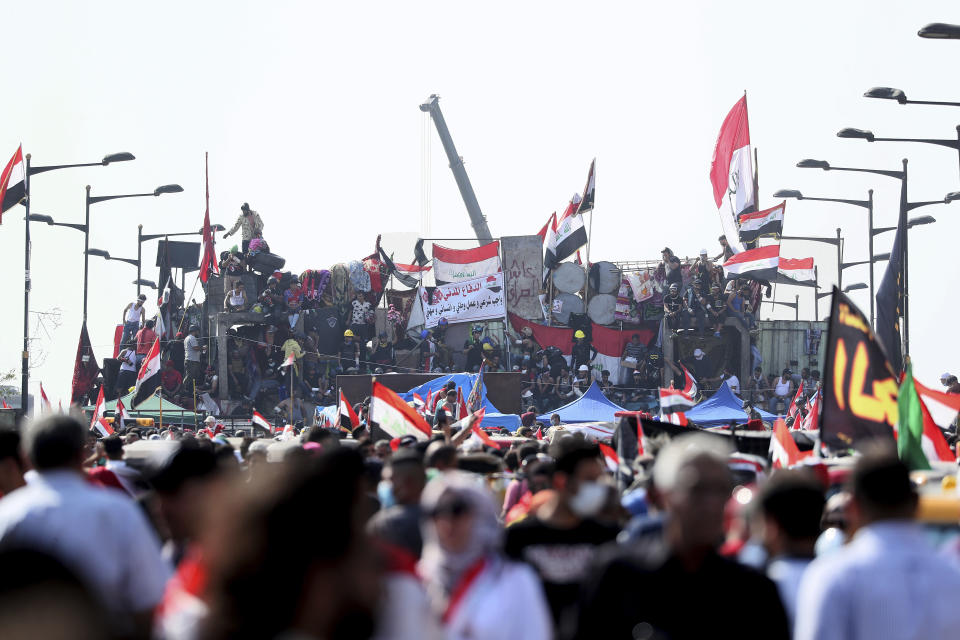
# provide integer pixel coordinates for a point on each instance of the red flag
(46, 401)
(539, 433)
(731, 172)
(639, 437)
(85, 367)
(208, 263)
(689, 383)
(13, 182)
(610, 457)
(5, 405)
(346, 414)
(120, 415)
(461, 405)
(98, 422)
(783, 450)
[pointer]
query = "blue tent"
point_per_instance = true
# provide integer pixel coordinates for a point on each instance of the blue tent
(592, 406)
(491, 418)
(722, 408)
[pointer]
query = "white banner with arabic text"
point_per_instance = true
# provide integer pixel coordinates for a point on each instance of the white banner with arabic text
(477, 299)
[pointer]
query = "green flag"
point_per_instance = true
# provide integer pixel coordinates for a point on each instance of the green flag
(910, 433)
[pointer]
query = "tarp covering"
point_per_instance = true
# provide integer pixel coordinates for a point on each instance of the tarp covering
(592, 406)
(723, 407)
(491, 418)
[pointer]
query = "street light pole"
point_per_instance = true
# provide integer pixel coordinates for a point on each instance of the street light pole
(86, 247)
(870, 251)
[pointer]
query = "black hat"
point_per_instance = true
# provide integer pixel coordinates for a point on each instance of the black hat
(245, 207)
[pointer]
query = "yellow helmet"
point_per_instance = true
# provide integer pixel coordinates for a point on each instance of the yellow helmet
(348, 333)
(487, 346)
(579, 334)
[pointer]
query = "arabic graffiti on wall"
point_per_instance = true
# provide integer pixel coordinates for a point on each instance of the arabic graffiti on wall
(523, 271)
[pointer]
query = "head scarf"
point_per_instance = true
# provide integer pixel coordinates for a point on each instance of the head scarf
(442, 569)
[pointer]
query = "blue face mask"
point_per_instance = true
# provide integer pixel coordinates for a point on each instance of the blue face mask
(385, 494)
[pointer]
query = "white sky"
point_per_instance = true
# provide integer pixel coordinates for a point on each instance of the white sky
(309, 112)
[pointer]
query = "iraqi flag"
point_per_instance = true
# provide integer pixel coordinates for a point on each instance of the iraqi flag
(462, 411)
(258, 420)
(13, 185)
(674, 404)
(761, 224)
(794, 409)
(586, 204)
(148, 378)
(45, 400)
(389, 412)
(690, 387)
(797, 271)
(757, 264)
(569, 235)
(120, 415)
(943, 407)
(811, 422)
(455, 265)
(731, 172)
(784, 452)
(551, 224)
(98, 423)
(346, 416)
(610, 457)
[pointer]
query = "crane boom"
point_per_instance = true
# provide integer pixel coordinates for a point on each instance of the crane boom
(477, 220)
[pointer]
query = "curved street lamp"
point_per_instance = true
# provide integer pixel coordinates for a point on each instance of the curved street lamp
(940, 31)
(889, 93)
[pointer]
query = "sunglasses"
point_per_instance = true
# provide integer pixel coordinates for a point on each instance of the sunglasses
(455, 509)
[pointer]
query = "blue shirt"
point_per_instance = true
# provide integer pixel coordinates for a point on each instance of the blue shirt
(888, 582)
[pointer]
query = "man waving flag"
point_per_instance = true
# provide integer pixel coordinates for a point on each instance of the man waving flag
(148, 378)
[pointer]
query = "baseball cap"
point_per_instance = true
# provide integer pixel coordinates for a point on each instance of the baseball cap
(698, 353)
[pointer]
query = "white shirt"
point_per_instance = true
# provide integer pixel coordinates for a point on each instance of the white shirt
(782, 386)
(189, 348)
(134, 313)
(734, 383)
(98, 532)
(132, 356)
(888, 582)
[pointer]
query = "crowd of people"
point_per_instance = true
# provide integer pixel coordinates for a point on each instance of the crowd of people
(322, 535)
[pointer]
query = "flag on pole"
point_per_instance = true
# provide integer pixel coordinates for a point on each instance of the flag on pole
(673, 405)
(690, 387)
(428, 404)
(551, 224)
(609, 457)
(890, 306)
(461, 406)
(45, 400)
(208, 261)
(811, 422)
(797, 271)
(586, 204)
(148, 378)
(794, 409)
(120, 415)
(762, 224)
(731, 172)
(758, 264)
(346, 416)
(943, 407)
(259, 421)
(569, 235)
(919, 439)
(13, 186)
(783, 450)
(97, 422)
(289, 361)
(475, 399)
(394, 416)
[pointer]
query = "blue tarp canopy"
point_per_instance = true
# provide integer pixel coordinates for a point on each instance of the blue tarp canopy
(722, 408)
(464, 381)
(592, 406)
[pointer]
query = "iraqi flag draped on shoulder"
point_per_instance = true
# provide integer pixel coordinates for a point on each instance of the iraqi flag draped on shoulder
(762, 224)
(454, 265)
(148, 378)
(569, 235)
(798, 271)
(756, 264)
(784, 452)
(98, 423)
(389, 412)
(731, 172)
(13, 185)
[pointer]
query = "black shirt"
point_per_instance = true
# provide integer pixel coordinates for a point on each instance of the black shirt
(672, 303)
(561, 557)
(645, 584)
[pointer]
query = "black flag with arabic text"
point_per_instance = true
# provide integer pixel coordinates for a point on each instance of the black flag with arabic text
(860, 389)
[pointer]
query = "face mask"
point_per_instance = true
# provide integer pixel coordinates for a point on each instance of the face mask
(385, 494)
(589, 498)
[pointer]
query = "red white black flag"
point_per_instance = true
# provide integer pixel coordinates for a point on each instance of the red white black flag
(148, 378)
(760, 224)
(731, 172)
(586, 204)
(797, 271)
(758, 264)
(13, 185)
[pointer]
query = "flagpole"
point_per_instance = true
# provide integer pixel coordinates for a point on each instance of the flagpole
(291, 393)
(160, 396)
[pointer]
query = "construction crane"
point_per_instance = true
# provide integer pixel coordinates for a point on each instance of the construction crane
(477, 219)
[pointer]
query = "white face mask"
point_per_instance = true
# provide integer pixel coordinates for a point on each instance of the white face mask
(589, 499)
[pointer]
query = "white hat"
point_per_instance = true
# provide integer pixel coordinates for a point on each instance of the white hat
(583, 367)
(698, 354)
(703, 252)
(944, 376)
(527, 393)
(210, 420)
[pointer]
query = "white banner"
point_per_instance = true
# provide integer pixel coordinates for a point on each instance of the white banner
(477, 299)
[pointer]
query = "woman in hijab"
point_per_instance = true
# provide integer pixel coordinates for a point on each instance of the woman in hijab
(475, 591)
